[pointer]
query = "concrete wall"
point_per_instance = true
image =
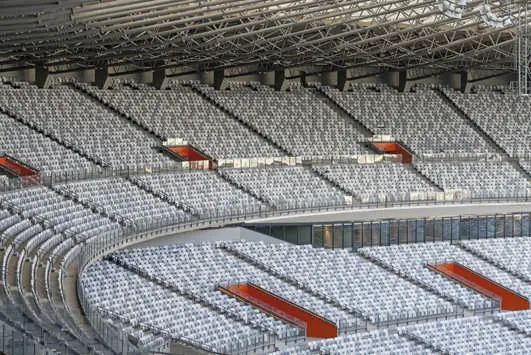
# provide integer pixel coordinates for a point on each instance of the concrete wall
(212, 235)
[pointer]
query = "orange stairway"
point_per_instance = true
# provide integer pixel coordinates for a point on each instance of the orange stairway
(315, 326)
(510, 300)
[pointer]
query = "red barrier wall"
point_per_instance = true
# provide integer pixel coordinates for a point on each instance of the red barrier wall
(190, 154)
(15, 168)
(510, 300)
(394, 148)
(316, 327)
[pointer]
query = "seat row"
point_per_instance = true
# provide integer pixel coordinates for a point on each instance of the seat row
(198, 270)
(411, 260)
(345, 279)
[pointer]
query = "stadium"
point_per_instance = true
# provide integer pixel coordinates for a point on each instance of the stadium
(265, 177)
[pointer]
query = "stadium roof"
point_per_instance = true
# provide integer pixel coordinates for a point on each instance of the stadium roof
(209, 34)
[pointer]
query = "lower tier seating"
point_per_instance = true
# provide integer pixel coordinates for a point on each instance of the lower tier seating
(198, 270)
(373, 342)
(410, 260)
(347, 280)
(520, 320)
(471, 335)
(511, 254)
(125, 296)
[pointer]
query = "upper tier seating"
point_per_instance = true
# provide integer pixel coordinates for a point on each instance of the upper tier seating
(520, 320)
(512, 254)
(145, 305)
(471, 335)
(90, 127)
(297, 120)
(410, 260)
(421, 120)
(199, 269)
(346, 279)
(181, 113)
(503, 116)
(482, 179)
(37, 150)
(204, 191)
(375, 182)
(120, 198)
(286, 187)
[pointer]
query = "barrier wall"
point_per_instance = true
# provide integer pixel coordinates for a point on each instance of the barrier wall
(190, 154)
(316, 327)
(15, 168)
(394, 148)
(510, 300)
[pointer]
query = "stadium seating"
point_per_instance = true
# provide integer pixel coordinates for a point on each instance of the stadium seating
(373, 342)
(526, 164)
(482, 179)
(296, 120)
(422, 120)
(347, 280)
(376, 182)
(511, 254)
(470, 335)
(520, 320)
(205, 192)
(503, 116)
(410, 260)
(37, 150)
(124, 201)
(76, 120)
(197, 270)
(181, 113)
(142, 304)
(286, 187)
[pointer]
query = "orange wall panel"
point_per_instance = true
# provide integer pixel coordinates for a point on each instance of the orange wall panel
(16, 168)
(394, 148)
(316, 327)
(510, 300)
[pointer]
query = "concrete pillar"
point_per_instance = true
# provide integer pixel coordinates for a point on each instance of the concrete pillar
(280, 77)
(42, 77)
(219, 76)
(160, 80)
(396, 79)
(341, 79)
(101, 78)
